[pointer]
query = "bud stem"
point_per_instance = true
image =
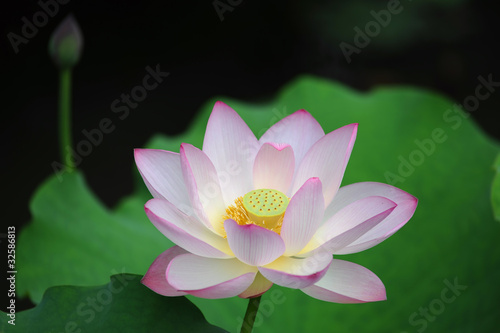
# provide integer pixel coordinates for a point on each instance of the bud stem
(65, 140)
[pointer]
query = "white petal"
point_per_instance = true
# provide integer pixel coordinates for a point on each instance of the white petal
(273, 167)
(350, 223)
(346, 282)
(156, 279)
(303, 216)
(203, 186)
(406, 205)
(297, 273)
(252, 244)
(300, 130)
(186, 231)
(209, 278)
(327, 160)
(231, 146)
(162, 174)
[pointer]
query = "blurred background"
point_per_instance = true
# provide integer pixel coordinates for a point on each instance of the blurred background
(243, 49)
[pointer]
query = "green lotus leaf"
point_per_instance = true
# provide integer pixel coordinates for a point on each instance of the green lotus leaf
(440, 270)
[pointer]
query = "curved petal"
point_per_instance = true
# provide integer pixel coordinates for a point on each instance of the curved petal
(350, 223)
(297, 273)
(259, 286)
(303, 216)
(162, 174)
(273, 167)
(208, 277)
(300, 130)
(225, 289)
(203, 186)
(346, 282)
(156, 279)
(252, 244)
(327, 160)
(186, 231)
(406, 205)
(231, 146)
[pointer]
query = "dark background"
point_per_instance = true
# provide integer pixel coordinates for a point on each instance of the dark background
(258, 46)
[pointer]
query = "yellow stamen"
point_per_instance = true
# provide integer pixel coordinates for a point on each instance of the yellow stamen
(262, 207)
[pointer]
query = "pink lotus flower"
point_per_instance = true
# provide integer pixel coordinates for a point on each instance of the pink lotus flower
(247, 213)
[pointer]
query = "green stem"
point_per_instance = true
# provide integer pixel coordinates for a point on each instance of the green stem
(250, 315)
(65, 140)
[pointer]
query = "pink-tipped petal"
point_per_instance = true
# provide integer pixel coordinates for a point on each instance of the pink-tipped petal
(346, 282)
(162, 174)
(303, 216)
(300, 130)
(338, 243)
(225, 289)
(406, 205)
(231, 146)
(297, 273)
(186, 231)
(252, 244)
(192, 189)
(156, 279)
(209, 278)
(273, 167)
(203, 185)
(327, 160)
(259, 286)
(350, 223)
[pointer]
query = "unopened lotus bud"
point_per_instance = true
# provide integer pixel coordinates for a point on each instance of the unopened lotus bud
(66, 43)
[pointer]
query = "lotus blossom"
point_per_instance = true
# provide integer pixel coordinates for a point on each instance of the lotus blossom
(245, 213)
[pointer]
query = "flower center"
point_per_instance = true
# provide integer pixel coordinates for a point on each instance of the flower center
(262, 207)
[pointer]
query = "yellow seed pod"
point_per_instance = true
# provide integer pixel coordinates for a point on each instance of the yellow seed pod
(265, 206)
